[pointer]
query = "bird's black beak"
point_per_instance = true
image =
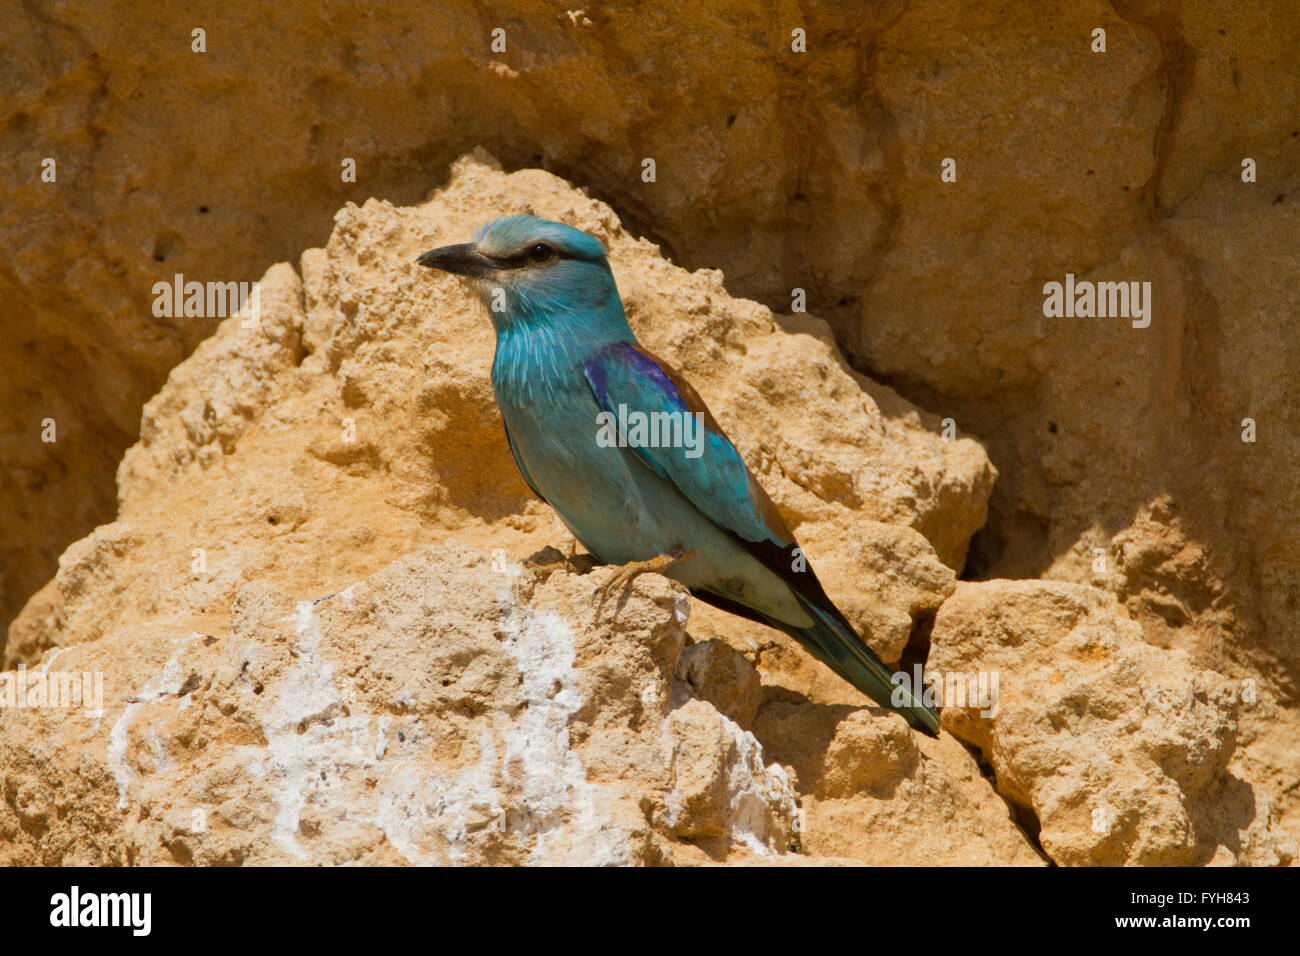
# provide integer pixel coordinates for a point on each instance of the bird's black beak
(462, 260)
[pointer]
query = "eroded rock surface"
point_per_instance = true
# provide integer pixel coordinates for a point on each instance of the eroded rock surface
(1121, 749)
(332, 447)
(442, 705)
(815, 171)
(440, 711)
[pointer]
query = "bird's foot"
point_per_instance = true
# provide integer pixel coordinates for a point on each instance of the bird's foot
(657, 564)
(544, 568)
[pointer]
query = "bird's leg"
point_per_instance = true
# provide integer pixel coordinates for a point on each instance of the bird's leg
(566, 562)
(657, 564)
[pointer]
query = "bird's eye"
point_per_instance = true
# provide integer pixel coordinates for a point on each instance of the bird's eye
(541, 252)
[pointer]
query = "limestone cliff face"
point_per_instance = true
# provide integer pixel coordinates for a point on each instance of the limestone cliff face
(318, 641)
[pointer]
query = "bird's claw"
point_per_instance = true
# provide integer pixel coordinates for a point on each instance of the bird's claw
(546, 570)
(568, 562)
(627, 572)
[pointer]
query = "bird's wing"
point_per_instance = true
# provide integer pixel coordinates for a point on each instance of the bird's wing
(716, 481)
(519, 462)
(625, 377)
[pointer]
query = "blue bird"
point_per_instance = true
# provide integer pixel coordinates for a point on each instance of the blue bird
(623, 448)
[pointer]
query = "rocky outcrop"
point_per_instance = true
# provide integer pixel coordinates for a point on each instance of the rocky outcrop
(1120, 749)
(817, 170)
(441, 704)
(318, 643)
(441, 711)
(356, 416)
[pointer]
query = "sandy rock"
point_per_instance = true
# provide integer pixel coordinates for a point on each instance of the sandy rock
(716, 672)
(877, 793)
(308, 448)
(440, 711)
(324, 446)
(722, 789)
(817, 172)
(1116, 746)
(356, 415)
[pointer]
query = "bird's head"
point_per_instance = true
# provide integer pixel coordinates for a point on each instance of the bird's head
(529, 271)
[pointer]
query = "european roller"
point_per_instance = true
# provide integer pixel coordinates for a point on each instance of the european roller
(576, 393)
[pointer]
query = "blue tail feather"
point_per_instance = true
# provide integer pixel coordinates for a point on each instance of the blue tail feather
(835, 643)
